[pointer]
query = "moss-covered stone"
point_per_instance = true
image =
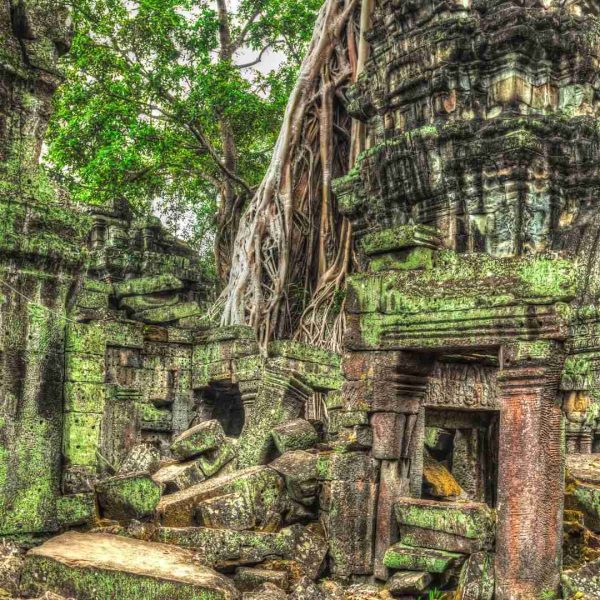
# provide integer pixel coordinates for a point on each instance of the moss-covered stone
(92, 566)
(407, 558)
(298, 434)
(130, 496)
(466, 519)
(81, 438)
(148, 285)
(76, 509)
(261, 486)
(207, 435)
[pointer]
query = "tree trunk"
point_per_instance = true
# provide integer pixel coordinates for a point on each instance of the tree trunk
(284, 276)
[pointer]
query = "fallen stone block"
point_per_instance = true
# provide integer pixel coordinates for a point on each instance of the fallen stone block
(467, 519)
(298, 434)
(410, 582)
(306, 589)
(261, 485)
(168, 314)
(193, 442)
(179, 476)
(438, 482)
(584, 467)
(76, 509)
(94, 565)
(141, 458)
(407, 558)
(125, 497)
(267, 591)
(348, 466)
(212, 461)
(439, 540)
(349, 518)
(357, 437)
(232, 511)
(582, 583)
(476, 580)
(248, 579)
(225, 547)
(148, 285)
(300, 470)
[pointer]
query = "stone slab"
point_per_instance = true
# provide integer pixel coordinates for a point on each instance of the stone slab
(407, 558)
(179, 509)
(94, 565)
(468, 519)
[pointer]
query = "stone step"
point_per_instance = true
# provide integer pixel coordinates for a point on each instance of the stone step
(98, 566)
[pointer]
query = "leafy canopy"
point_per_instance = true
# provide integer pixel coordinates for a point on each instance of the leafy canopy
(151, 86)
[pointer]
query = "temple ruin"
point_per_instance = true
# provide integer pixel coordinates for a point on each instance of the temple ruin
(145, 454)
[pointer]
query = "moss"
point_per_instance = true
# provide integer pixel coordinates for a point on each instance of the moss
(406, 558)
(85, 397)
(397, 238)
(127, 497)
(74, 510)
(41, 574)
(474, 521)
(81, 438)
(303, 352)
(86, 368)
(148, 285)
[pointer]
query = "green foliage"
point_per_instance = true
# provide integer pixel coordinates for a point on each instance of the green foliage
(151, 88)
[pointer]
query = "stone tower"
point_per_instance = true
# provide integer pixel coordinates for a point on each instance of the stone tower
(475, 213)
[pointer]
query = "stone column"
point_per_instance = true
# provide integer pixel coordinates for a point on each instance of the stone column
(399, 386)
(531, 472)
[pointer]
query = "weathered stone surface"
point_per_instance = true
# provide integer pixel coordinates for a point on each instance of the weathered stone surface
(193, 442)
(298, 434)
(93, 565)
(584, 467)
(407, 558)
(349, 517)
(12, 557)
(467, 519)
(476, 578)
(212, 461)
(179, 476)
(306, 589)
(348, 466)
(260, 487)
(148, 285)
(267, 591)
(584, 581)
(225, 547)
(300, 471)
(249, 579)
(76, 509)
(141, 458)
(408, 583)
(132, 496)
(232, 511)
(439, 540)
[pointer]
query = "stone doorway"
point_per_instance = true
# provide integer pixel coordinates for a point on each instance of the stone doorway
(222, 401)
(461, 450)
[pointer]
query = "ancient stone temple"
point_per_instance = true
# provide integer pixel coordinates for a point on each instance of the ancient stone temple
(146, 453)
